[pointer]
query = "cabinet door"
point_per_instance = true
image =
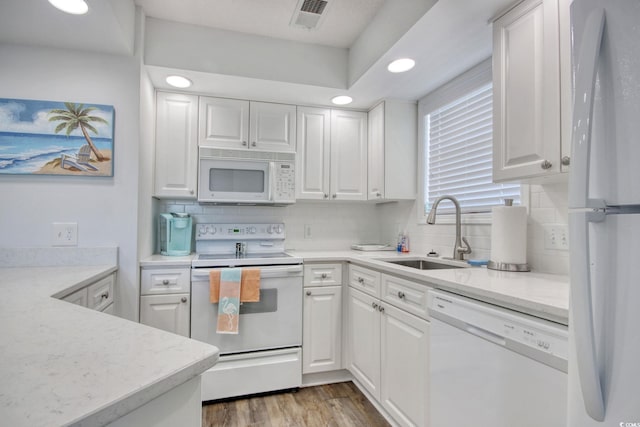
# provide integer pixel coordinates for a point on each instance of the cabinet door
(322, 329)
(176, 162)
(224, 123)
(526, 91)
(364, 340)
(404, 366)
(375, 153)
(80, 297)
(166, 312)
(348, 155)
(313, 155)
(273, 127)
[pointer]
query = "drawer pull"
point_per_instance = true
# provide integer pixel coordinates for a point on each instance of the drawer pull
(165, 282)
(183, 299)
(374, 305)
(361, 280)
(323, 275)
(308, 293)
(105, 295)
(401, 295)
(381, 309)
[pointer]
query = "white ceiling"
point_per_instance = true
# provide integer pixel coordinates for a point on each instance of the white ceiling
(343, 20)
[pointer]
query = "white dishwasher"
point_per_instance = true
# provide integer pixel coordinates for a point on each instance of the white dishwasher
(492, 367)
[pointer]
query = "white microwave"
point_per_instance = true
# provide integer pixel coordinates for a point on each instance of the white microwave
(245, 177)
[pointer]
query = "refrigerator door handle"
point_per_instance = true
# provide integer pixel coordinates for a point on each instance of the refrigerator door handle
(582, 311)
(585, 81)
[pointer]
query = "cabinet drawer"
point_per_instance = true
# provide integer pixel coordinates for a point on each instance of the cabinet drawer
(79, 297)
(364, 280)
(101, 293)
(406, 295)
(165, 281)
(323, 274)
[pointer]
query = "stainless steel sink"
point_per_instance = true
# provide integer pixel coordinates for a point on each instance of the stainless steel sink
(422, 264)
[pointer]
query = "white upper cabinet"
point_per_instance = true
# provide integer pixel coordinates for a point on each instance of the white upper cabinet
(348, 155)
(392, 151)
(530, 97)
(176, 157)
(331, 160)
(273, 127)
(238, 124)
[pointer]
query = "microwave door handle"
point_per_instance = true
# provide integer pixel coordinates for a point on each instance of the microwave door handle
(272, 180)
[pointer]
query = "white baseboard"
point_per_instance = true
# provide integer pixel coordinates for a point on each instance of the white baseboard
(330, 377)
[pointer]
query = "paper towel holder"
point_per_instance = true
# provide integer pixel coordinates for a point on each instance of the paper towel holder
(506, 266)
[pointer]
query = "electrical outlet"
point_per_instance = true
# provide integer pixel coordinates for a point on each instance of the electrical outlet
(65, 234)
(307, 231)
(556, 237)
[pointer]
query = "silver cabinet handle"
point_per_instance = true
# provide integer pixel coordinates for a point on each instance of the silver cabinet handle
(374, 305)
(401, 295)
(244, 142)
(334, 196)
(360, 280)
(253, 144)
(326, 196)
(323, 276)
(183, 299)
(566, 160)
(546, 164)
(381, 309)
(165, 282)
(191, 191)
(105, 295)
(308, 293)
(378, 194)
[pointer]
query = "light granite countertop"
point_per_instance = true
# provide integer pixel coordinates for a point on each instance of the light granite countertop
(539, 294)
(63, 364)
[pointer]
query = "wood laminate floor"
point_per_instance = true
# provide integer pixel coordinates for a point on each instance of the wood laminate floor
(336, 405)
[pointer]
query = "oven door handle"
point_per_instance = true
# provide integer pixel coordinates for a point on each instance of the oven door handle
(201, 274)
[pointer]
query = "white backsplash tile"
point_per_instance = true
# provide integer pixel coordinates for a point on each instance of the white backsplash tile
(338, 225)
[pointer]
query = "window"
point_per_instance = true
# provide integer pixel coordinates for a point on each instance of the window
(457, 145)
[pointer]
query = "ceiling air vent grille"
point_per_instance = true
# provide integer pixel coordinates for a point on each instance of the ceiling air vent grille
(314, 6)
(309, 14)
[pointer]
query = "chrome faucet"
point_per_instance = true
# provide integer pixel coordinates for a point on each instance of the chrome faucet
(458, 249)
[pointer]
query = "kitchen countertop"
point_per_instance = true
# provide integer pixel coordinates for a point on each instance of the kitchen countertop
(538, 294)
(63, 364)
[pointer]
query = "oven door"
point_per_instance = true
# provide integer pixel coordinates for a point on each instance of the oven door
(273, 322)
(234, 181)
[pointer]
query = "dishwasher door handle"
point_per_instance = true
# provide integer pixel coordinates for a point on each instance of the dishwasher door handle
(487, 335)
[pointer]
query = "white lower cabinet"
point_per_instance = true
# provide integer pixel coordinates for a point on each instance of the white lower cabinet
(167, 312)
(165, 299)
(388, 355)
(96, 296)
(322, 329)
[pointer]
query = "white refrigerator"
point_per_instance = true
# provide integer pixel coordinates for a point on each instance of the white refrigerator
(604, 215)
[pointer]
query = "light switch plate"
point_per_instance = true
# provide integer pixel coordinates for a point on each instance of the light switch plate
(65, 234)
(556, 237)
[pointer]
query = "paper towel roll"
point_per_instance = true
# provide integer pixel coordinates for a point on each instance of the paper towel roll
(509, 234)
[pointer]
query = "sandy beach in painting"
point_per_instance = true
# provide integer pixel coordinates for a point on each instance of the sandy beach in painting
(104, 168)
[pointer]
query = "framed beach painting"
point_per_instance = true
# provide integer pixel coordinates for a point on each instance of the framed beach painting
(56, 138)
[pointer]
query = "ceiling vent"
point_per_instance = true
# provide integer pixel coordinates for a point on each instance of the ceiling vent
(309, 14)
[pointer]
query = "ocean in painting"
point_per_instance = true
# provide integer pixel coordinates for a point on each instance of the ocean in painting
(25, 153)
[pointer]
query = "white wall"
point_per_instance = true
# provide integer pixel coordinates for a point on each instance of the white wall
(104, 208)
(334, 225)
(547, 205)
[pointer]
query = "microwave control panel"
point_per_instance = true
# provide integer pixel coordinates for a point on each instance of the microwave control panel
(285, 182)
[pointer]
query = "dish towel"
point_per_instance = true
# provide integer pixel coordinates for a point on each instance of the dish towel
(249, 285)
(229, 306)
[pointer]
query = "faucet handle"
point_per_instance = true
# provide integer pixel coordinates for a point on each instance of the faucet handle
(467, 247)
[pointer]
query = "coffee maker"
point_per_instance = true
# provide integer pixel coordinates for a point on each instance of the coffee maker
(174, 234)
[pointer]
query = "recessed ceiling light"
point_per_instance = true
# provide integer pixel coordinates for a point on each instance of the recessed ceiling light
(342, 100)
(178, 81)
(74, 7)
(401, 65)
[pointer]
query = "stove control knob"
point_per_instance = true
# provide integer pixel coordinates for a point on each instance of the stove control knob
(212, 230)
(270, 229)
(278, 229)
(252, 230)
(202, 230)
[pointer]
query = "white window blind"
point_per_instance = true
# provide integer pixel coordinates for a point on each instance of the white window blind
(458, 155)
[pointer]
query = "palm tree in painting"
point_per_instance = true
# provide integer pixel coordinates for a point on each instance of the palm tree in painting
(74, 117)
